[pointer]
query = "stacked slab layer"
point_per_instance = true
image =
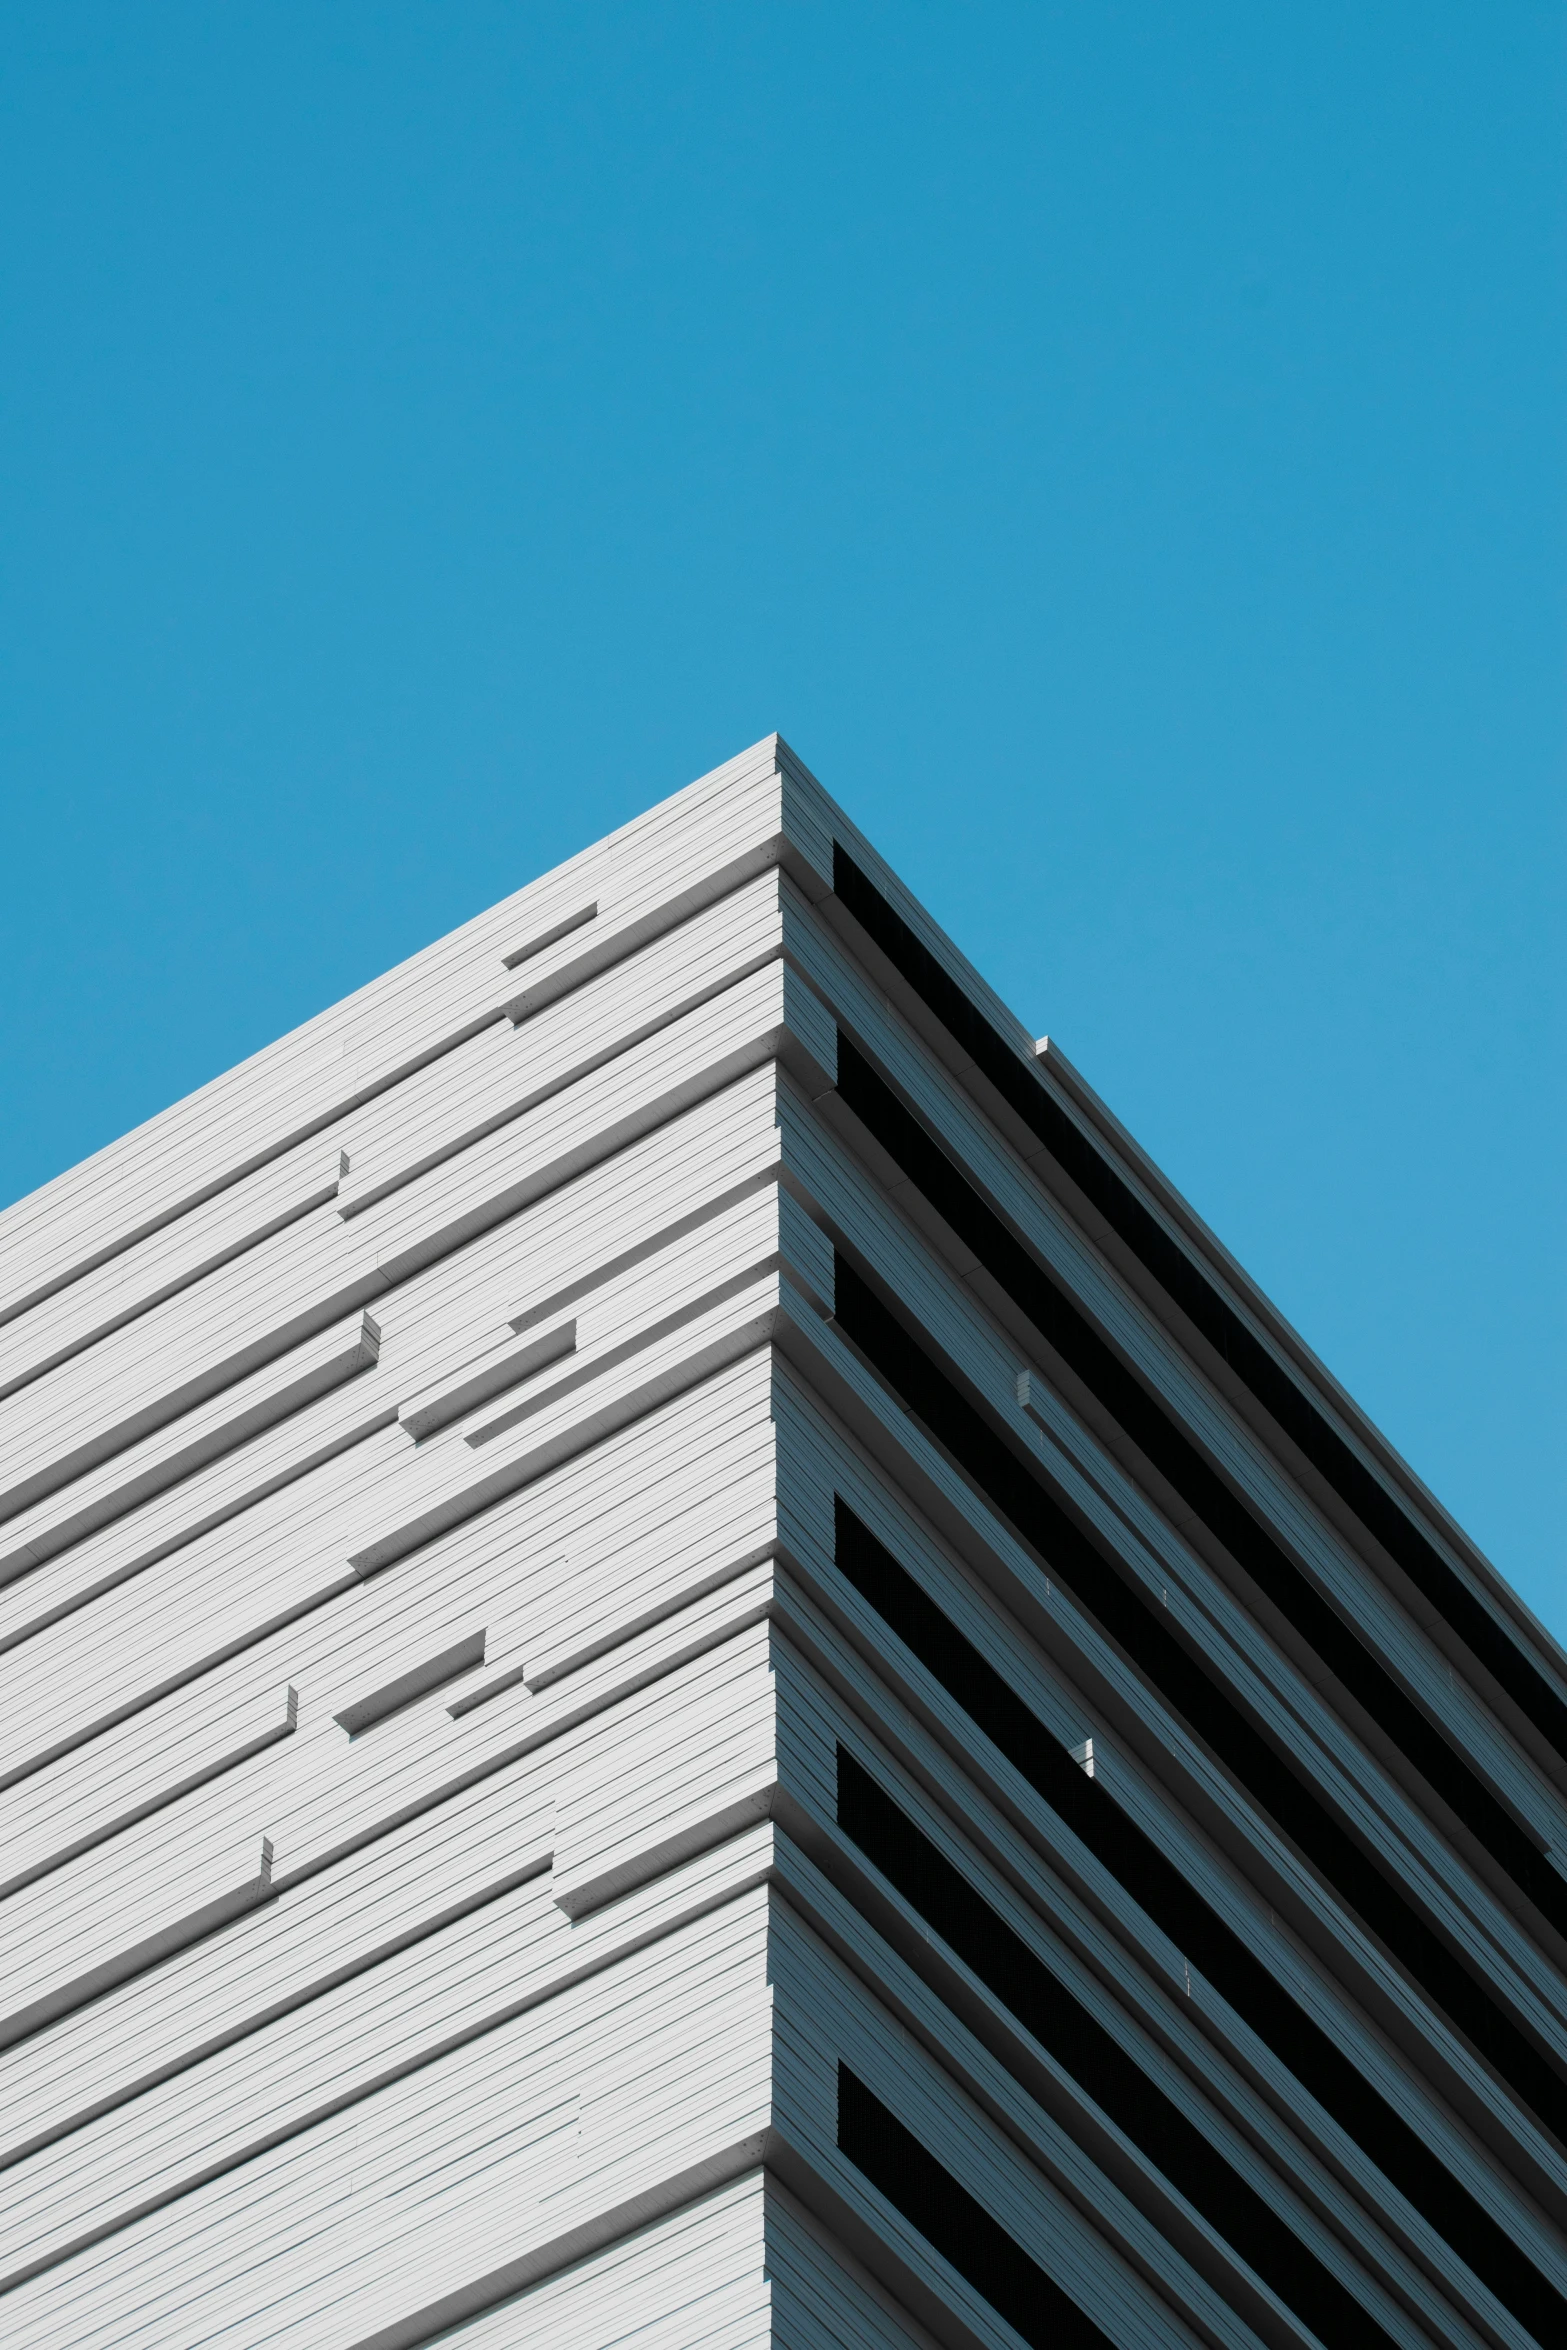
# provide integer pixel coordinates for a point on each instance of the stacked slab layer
(685, 1666)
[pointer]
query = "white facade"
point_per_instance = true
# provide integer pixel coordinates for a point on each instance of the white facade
(685, 1666)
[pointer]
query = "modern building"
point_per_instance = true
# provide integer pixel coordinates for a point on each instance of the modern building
(685, 1666)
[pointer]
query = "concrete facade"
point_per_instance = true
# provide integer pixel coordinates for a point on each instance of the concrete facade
(686, 1666)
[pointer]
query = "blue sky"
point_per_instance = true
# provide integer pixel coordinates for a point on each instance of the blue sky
(1120, 447)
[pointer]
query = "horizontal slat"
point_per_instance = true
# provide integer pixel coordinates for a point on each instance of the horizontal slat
(251, 1113)
(415, 1680)
(191, 1441)
(169, 1260)
(157, 1778)
(118, 1965)
(465, 1367)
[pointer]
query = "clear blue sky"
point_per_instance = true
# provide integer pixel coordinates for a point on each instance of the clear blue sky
(1121, 447)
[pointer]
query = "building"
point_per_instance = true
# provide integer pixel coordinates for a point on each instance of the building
(685, 1666)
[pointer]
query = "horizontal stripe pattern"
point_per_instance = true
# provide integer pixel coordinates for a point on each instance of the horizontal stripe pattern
(653, 1697)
